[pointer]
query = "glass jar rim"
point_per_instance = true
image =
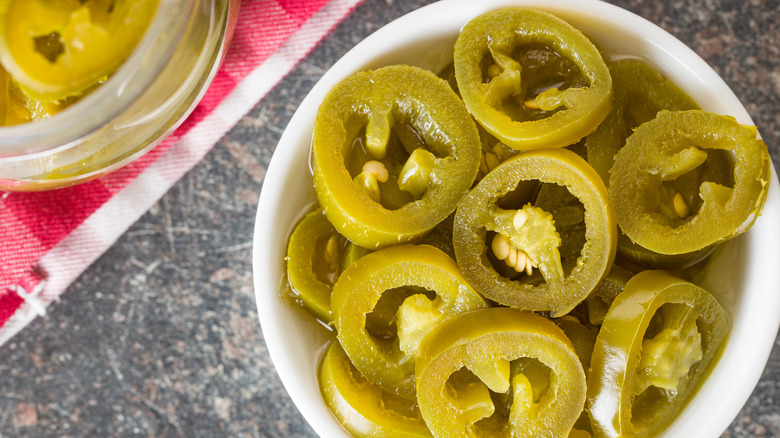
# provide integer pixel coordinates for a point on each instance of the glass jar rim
(111, 98)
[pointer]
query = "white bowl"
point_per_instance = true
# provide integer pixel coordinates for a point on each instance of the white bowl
(746, 278)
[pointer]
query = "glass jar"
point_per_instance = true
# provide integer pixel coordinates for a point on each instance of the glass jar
(150, 94)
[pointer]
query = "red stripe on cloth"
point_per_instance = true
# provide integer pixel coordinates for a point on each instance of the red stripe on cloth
(301, 11)
(9, 302)
(50, 215)
(31, 224)
(273, 22)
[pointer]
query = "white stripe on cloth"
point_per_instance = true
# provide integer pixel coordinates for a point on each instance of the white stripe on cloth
(66, 261)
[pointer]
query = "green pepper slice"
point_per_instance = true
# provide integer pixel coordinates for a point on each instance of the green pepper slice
(486, 222)
(380, 340)
(668, 149)
(55, 49)
(684, 191)
(531, 79)
(365, 409)
(499, 372)
(394, 152)
(316, 255)
(656, 342)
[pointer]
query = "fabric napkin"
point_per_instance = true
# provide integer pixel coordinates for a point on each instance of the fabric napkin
(48, 238)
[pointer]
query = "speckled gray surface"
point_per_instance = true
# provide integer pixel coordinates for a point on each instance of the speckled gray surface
(160, 336)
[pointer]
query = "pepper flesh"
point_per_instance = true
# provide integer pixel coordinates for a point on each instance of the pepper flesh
(642, 370)
(670, 147)
(411, 122)
(364, 409)
(510, 92)
(428, 286)
(58, 49)
(525, 360)
(481, 212)
(316, 255)
(639, 93)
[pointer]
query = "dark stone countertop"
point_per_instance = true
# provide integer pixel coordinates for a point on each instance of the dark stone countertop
(160, 337)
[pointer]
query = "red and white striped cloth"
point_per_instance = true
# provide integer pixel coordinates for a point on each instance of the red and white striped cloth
(48, 238)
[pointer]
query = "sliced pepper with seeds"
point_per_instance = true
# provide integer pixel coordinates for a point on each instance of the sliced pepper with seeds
(394, 151)
(531, 79)
(656, 342)
(488, 229)
(385, 303)
(499, 372)
(316, 255)
(667, 150)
